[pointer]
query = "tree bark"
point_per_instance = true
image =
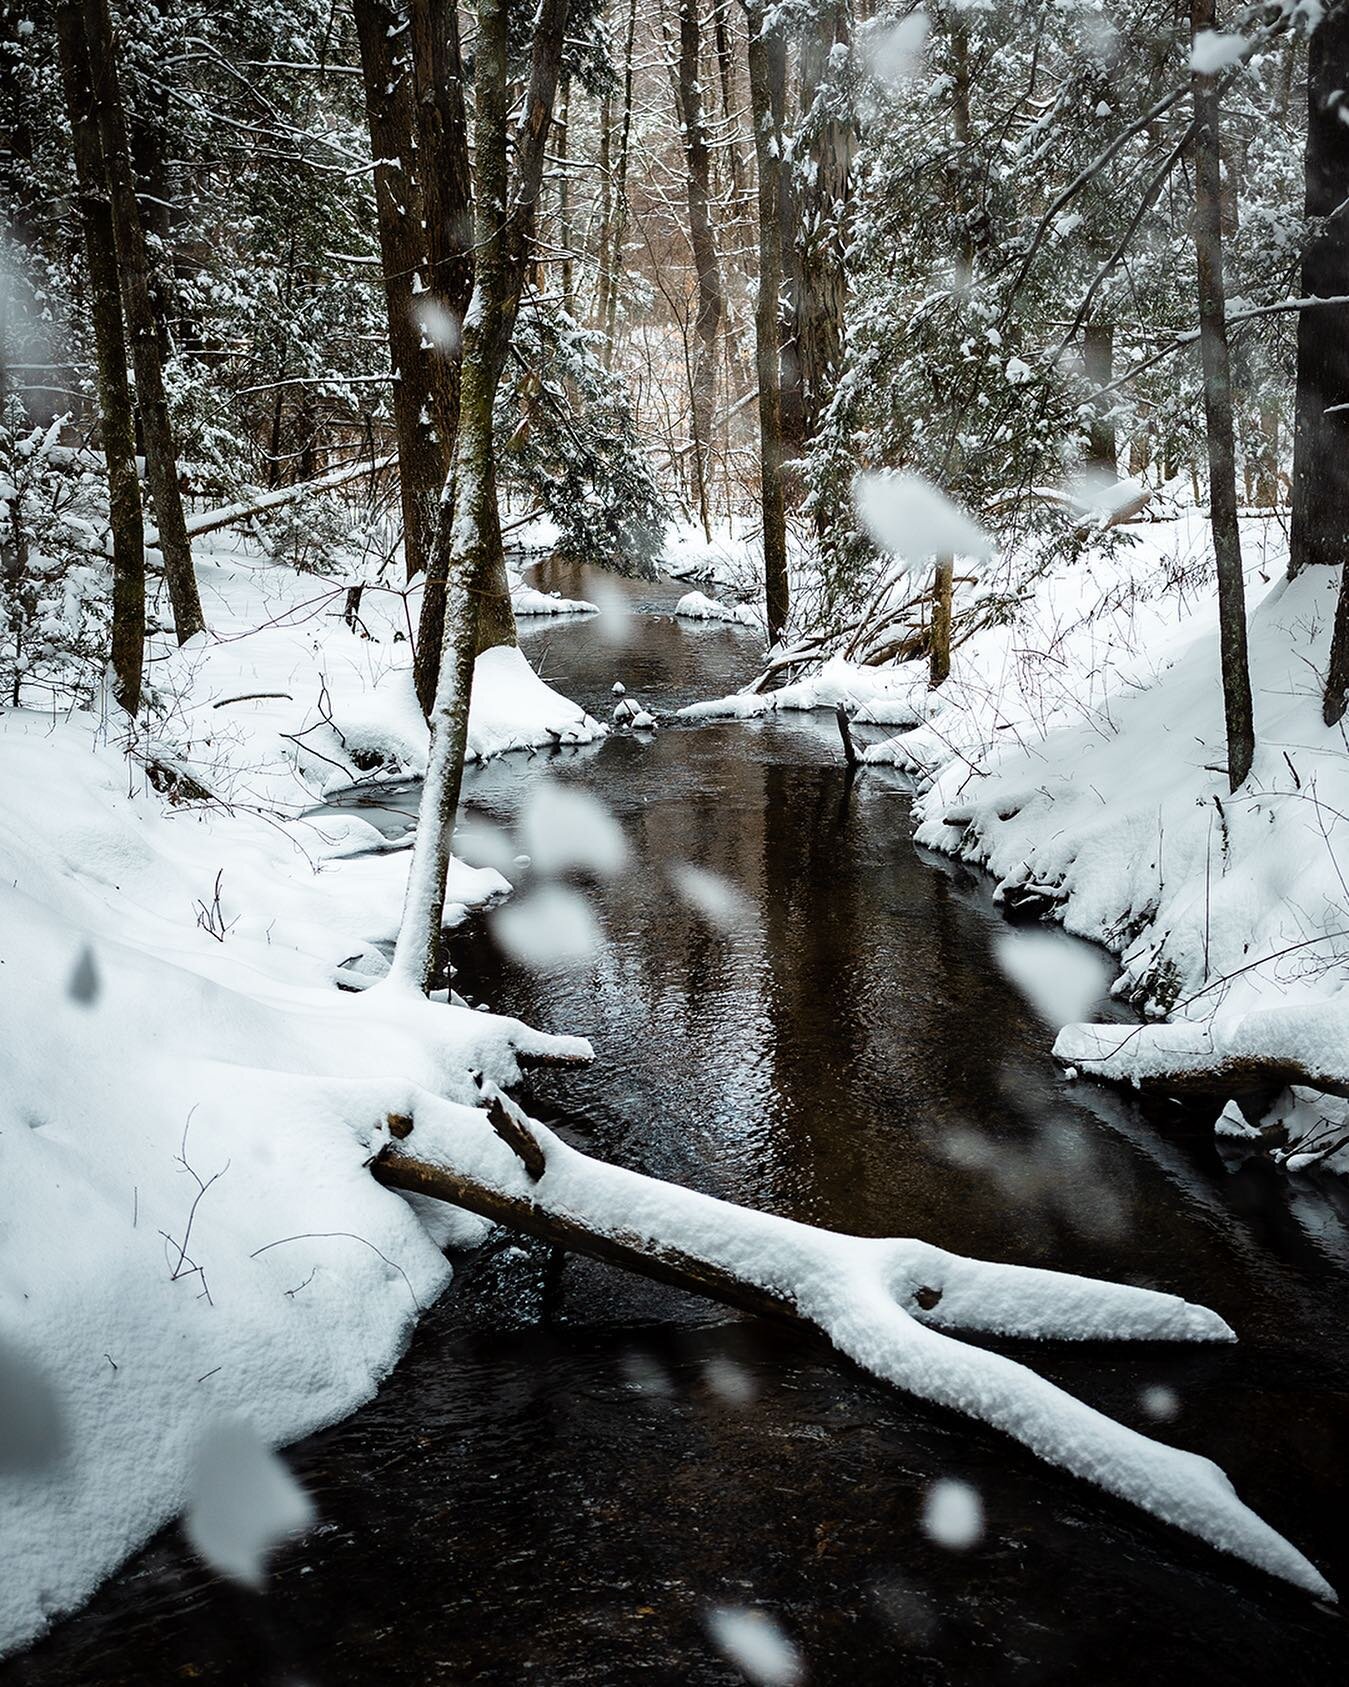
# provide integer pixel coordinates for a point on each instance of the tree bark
(446, 185)
(390, 104)
(565, 232)
(611, 267)
(1098, 364)
(1320, 516)
(468, 530)
(1337, 675)
(161, 460)
(711, 305)
(939, 646)
(767, 59)
(117, 425)
(823, 219)
(1236, 678)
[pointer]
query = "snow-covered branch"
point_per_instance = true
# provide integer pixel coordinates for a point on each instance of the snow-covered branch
(882, 1303)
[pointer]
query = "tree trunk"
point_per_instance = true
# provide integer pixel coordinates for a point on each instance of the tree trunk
(117, 425)
(565, 232)
(161, 459)
(1098, 363)
(828, 142)
(468, 531)
(791, 389)
(766, 71)
(390, 105)
(611, 272)
(726, 77)
(698, 182)
(446, 185)
(939, 646)
(1208, 245)
(1320, 517)
(1337, 675)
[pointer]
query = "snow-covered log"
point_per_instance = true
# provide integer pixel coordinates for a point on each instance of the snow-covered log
(231, 515)
(882, 1303)
(1233, 1055)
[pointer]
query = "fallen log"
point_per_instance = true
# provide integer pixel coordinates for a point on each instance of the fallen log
(882, 1303)
(228, 515)
(1252, 1054)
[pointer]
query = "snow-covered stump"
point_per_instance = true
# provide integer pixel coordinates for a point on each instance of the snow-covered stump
(883, 1303)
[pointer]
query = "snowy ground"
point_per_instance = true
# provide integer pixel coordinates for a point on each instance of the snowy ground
(1076, 752)
(196, 1265)
(285, 703)
(191, 1242)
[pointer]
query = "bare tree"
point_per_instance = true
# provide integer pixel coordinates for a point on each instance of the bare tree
(1208, 246)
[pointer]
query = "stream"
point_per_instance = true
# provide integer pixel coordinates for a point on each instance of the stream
(569, 1469)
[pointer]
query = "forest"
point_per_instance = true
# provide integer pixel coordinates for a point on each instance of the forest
(674, 971)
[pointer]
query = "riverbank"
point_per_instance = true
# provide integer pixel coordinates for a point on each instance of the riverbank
(569, 1469)
(191, 1236)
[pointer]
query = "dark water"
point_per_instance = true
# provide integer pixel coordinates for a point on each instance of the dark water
(564, 1475)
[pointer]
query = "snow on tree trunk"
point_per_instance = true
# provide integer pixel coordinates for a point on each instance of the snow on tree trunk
(1208, 245)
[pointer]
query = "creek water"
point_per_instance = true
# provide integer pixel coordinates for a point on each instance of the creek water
(568, 1470)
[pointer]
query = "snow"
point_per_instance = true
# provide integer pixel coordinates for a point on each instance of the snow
(1062, 980)
(754, 1643)
(911, 518)
(1228, 909)
(526, 602)
(197, 1266)
(338, 706)
(877, 696)
(192, 1240)
(564, 829)
(1213, 52)
(547, 927)
(244, 1502)
(893, 52)
(697, 606)
(886, 1303)
(953, 1515)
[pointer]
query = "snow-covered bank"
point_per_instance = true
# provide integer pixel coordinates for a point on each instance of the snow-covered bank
(190, 1100)
(284, 701)
(1223, 906)
(697, 606)
(190, 1233)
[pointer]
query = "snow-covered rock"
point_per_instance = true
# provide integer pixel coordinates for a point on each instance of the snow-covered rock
(697, 606)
